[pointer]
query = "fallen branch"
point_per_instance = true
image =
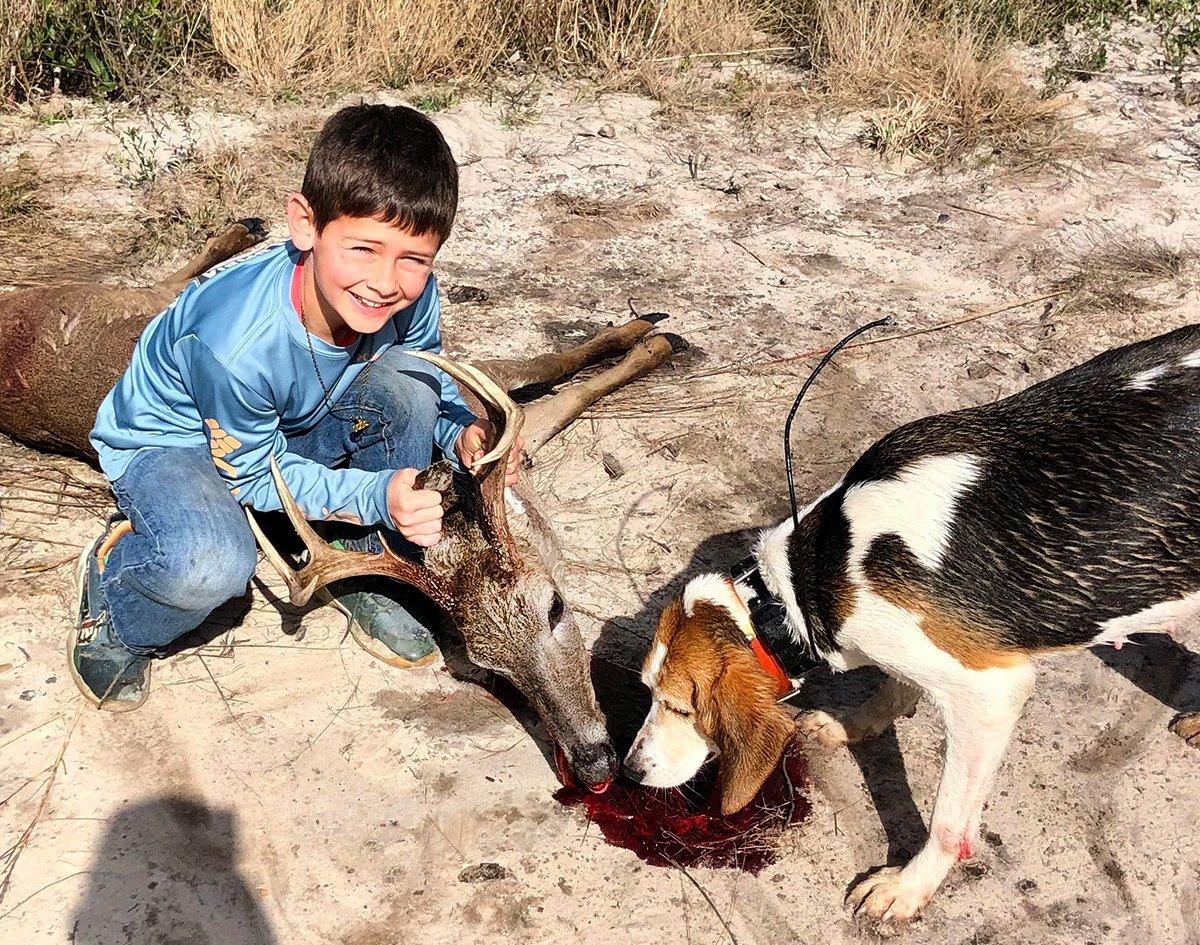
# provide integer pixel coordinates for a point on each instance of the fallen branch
(993, 216)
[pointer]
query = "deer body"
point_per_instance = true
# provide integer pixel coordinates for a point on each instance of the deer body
(62, 348)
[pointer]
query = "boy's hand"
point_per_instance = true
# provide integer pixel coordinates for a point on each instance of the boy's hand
(416, 513)
(472, 444)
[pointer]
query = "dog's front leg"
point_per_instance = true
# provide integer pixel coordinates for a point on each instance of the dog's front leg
(980, 709)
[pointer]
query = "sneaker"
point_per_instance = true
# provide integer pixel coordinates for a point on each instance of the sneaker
(109, 676)
(380, 623)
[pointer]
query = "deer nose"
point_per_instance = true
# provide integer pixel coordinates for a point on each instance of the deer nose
(595, 765)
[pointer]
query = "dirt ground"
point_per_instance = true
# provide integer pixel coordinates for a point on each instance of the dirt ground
(282, 786)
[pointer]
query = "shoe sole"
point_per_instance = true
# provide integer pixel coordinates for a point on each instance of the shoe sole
(368, 642)
(105, 705)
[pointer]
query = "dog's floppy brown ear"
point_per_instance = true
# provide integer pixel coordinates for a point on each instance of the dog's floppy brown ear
(749, 728)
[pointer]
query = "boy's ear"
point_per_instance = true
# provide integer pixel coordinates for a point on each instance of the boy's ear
(302, 223)
(750, 730)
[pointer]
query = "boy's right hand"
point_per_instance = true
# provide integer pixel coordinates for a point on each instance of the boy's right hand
(416, 513)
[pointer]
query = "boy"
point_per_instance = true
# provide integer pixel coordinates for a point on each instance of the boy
(297, 352)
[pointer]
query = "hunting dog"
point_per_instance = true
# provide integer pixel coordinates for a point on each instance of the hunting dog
(955, 550)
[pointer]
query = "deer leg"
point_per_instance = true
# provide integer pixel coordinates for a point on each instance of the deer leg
(225, 245)
(550, 368)
(545, 418)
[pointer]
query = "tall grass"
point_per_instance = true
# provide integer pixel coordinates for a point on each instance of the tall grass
(123, 47)
(302, 42)
(935, 72)
(943, 82)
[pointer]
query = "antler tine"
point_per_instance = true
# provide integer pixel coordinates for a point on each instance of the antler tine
(492, 396)
(326, 563)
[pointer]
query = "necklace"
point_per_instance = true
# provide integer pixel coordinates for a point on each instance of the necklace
(358, 423)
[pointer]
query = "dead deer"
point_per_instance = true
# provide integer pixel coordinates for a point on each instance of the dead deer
(495, 570)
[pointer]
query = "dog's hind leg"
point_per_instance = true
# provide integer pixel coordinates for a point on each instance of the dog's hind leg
(865, 721)
(981, 709)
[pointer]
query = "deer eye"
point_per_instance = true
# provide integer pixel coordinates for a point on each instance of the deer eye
(557, 610)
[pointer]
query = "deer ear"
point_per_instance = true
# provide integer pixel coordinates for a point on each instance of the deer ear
(750, 729)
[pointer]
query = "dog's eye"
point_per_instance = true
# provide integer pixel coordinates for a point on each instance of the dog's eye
(686, 713)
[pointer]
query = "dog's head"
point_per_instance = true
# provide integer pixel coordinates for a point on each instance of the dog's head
(710, 697)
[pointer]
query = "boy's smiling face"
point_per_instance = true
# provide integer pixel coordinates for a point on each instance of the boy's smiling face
(361, 271)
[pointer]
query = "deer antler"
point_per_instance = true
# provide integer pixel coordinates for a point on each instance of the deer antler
(326, 563)
(505, 415)
(506, 418)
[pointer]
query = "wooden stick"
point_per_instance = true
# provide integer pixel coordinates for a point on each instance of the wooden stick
(818, 352)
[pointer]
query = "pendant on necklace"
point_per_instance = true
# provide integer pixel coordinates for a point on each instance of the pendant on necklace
(358, 426)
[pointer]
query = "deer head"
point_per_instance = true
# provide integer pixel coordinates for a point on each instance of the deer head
(493, 579)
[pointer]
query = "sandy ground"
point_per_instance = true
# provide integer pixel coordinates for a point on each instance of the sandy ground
(282, 786)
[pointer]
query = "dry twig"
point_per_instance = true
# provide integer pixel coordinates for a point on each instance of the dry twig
(13, 853)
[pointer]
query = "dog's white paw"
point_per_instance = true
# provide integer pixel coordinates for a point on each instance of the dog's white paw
(886, 895)
(823, 728)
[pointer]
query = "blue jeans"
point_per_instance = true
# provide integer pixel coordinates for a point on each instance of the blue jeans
(191, 549)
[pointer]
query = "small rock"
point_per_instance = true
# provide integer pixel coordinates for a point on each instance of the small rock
(484, 872)
(612, 466)
(980, 369)
(466, 293)
(943, 217)
(1027, 885)
(27, 695)
(606, 131)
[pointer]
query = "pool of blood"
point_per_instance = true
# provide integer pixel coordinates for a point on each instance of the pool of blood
(684, 827)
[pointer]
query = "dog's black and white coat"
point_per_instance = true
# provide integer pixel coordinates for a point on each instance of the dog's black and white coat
(962, 544)
(954, 550)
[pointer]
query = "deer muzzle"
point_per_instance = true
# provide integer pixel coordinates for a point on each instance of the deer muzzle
(594, 766)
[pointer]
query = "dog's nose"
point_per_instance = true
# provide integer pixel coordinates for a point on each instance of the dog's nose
(633, 771)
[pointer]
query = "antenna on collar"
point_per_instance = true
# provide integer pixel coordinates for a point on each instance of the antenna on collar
(787, 427)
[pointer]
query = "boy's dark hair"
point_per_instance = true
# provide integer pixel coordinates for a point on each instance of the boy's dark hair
(389, 162)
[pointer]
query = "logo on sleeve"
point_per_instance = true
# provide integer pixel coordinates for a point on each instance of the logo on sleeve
(221, 444)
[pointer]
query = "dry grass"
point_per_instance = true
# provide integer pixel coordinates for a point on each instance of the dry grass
(34, 242)
(18, 193)
(201, 196)
(1107, 272)
(608, 209)
(302, 43)
(942, 91)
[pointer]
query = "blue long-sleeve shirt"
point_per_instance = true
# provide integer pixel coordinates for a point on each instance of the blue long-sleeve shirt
(228, 366)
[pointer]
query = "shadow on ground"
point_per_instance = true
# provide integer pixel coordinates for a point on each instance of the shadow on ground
(166, 874)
